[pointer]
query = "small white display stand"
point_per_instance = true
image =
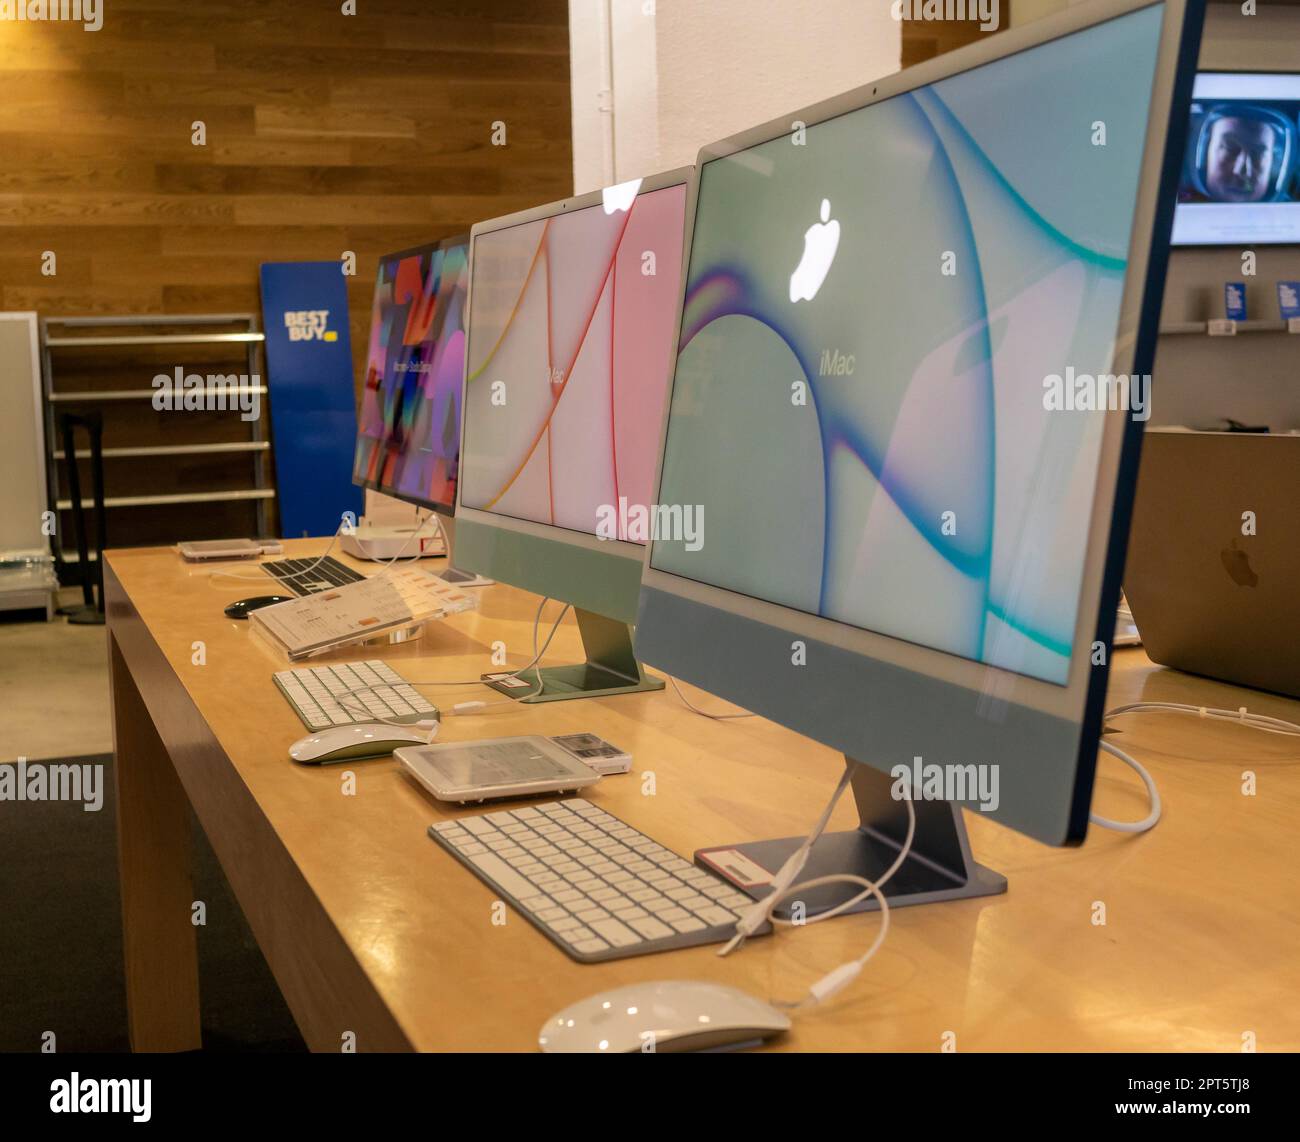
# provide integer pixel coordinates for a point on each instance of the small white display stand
(27, 577)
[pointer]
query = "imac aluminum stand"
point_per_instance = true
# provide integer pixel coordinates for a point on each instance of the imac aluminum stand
(938, 867)
(611, 667)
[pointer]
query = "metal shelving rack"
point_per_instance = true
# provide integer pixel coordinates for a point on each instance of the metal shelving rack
(258, 446)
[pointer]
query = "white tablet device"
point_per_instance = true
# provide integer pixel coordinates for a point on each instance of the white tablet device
(197, 550)
(495, 768)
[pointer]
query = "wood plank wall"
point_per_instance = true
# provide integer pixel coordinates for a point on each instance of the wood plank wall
(325, 132)
(923, 39)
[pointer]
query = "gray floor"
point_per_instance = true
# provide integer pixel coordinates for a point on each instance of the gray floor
(53, 687)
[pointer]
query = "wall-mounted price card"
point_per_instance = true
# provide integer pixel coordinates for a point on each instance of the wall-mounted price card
(1288, 300)
(1234, 300)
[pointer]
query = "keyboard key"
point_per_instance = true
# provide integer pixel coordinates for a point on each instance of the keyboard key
(493, 867)
(652, 929)
(631, 913)
(690, 924)
(716, 915)
(616, 932)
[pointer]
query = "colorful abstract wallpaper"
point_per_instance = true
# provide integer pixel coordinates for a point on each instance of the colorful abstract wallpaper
(569, 358)
(409, 433)
(914, 270)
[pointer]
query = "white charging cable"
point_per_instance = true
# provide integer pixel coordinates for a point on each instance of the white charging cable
(263, 577)
(763, 911)
(350, 700)
(1241, 716)
(1151, 819)
(704, 713)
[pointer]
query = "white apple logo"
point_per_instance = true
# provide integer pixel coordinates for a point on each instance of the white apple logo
(820, 242)
(620, 197)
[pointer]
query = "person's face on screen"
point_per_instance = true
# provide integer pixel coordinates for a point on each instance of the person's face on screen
(1240, 160)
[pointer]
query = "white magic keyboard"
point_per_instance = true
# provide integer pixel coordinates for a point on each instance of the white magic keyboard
(378, 693)
(593, 884)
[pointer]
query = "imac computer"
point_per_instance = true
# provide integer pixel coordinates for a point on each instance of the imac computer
(895, 401)
(408, 430)
(573, 307)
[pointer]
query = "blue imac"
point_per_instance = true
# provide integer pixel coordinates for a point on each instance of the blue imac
(911, 318)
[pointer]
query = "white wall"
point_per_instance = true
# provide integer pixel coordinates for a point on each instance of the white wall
(1253, 377)
(683, 73)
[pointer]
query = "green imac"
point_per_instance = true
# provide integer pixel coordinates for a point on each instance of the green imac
(572, 314)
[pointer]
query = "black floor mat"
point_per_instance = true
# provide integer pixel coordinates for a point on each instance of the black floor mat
(61, 936)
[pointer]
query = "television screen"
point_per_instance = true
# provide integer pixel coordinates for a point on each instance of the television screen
(408, 437)
(1240, 183)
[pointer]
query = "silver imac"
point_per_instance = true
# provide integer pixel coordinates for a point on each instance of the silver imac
(910, 380)
(572, 310)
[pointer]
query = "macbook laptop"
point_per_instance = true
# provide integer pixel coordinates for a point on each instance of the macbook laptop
(1213, 573)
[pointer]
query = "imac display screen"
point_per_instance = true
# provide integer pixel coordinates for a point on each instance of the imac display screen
(409, 427)
(569, 355)
(1240, 183)
(898, 324)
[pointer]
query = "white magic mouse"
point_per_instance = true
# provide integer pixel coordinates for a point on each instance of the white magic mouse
(348, 743)
(663, 1015)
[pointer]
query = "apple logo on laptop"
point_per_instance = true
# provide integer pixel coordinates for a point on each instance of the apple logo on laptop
(820, 242)
(1237, 564)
